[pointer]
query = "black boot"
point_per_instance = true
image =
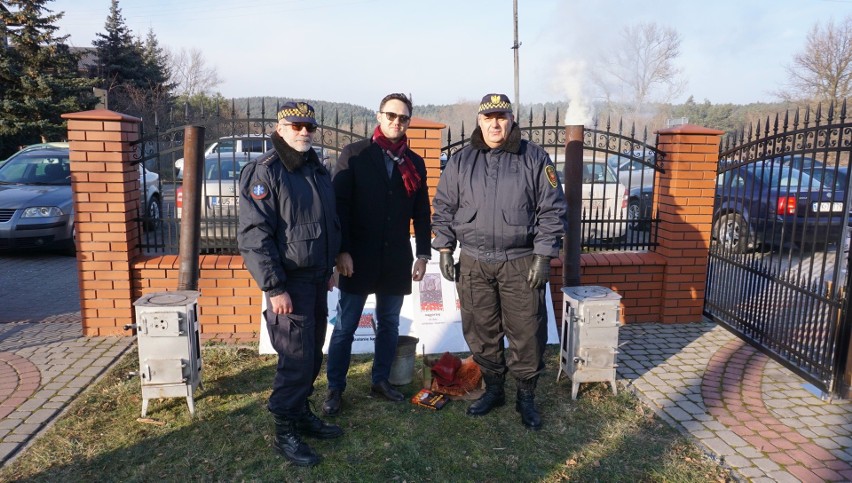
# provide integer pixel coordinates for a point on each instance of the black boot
(288, 443)
(494, 396)
(309, 424)
(525, 404)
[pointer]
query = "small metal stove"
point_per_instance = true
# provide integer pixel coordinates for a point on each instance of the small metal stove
(589, 335)
(169, 346)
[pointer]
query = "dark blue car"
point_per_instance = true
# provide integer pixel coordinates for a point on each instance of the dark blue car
(767, 203)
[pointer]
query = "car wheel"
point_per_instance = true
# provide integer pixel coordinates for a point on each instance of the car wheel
(154, 214)
(634, 214)
(732, 233)
(70, 247)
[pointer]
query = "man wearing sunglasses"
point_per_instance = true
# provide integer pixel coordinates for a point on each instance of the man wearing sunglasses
(381, 188)
(288, 235)
(500, 199)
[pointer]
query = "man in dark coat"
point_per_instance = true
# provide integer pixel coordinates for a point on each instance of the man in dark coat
(381, 188)
(289, 237)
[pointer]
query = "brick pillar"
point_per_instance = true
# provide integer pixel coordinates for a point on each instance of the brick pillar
(424, 138)
(684, 197)
(106, 205)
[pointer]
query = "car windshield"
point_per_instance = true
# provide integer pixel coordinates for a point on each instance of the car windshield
(592, 173)
(597, 173)
(224, 169)
(37, 168)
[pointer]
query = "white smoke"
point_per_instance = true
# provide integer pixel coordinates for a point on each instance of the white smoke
(570, 77)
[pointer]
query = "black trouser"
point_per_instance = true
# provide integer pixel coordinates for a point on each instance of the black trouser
(496, 300)
(298, 339)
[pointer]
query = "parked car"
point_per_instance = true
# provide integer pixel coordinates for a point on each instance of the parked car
(640, 205)
(635, 169)
(219, 199)
(36, 208)
(246, 143)
(768, 203)
(604, 203)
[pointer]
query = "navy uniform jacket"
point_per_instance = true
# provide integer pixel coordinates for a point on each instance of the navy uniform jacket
(376, 214)
(500, 204)
(288, 227)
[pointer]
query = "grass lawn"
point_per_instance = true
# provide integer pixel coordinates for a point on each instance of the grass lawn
(598, 437)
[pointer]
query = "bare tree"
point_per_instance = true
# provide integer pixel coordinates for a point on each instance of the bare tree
(190, 73)
(823, 70)
(641, 68)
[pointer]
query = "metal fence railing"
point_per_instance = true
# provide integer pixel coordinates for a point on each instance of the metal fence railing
(618, 182)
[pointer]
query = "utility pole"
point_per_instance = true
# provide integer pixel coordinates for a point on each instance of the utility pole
(516, 47)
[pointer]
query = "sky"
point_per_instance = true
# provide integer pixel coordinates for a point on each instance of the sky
(446, 51)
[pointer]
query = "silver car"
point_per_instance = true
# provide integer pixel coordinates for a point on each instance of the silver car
(603, 200)
(219, 196)
(36, 202)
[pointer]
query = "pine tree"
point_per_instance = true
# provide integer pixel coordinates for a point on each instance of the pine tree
(39, 75)
(120, 62)
(156, 61)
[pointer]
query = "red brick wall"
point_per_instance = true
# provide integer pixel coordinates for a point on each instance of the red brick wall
(684, 196)
(637, 277)
(229, 305)
(105, 189)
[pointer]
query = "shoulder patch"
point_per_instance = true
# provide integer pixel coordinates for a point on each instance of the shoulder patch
(259, 190)
(550, 172)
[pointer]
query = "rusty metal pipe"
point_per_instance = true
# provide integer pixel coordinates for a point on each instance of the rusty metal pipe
(190, 228)
(573, 175)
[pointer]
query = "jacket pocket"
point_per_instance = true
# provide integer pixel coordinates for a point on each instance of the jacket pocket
(519, 228)
(305, 231)
(518, 217)
(463, 223)
(300, 251)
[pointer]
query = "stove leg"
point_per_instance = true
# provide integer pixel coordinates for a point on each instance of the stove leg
(191, 403)
(144, 406)
(575, 386)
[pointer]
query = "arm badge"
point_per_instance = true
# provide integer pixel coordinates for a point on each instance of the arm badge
(550, 172)
(259, 190)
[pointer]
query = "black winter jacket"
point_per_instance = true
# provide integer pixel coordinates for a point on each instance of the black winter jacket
(500, 204)
(288, 227)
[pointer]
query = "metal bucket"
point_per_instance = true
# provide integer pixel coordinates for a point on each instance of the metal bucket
(402, 368)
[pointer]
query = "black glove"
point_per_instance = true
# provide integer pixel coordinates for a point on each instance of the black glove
(448, 266)
(539, 271)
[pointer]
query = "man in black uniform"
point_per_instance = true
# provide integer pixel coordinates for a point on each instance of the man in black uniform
(289, 236)
(500, 199)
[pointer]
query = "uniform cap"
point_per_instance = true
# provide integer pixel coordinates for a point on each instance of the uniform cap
(297, 112)
(495, 103)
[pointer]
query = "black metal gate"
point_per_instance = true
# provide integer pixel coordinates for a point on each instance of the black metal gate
(779, 256)
(236, 133)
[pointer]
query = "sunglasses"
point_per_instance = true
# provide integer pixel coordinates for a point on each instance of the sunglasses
(298, 126)
(403, 119)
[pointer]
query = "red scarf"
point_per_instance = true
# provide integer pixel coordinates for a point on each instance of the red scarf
(396, 151)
